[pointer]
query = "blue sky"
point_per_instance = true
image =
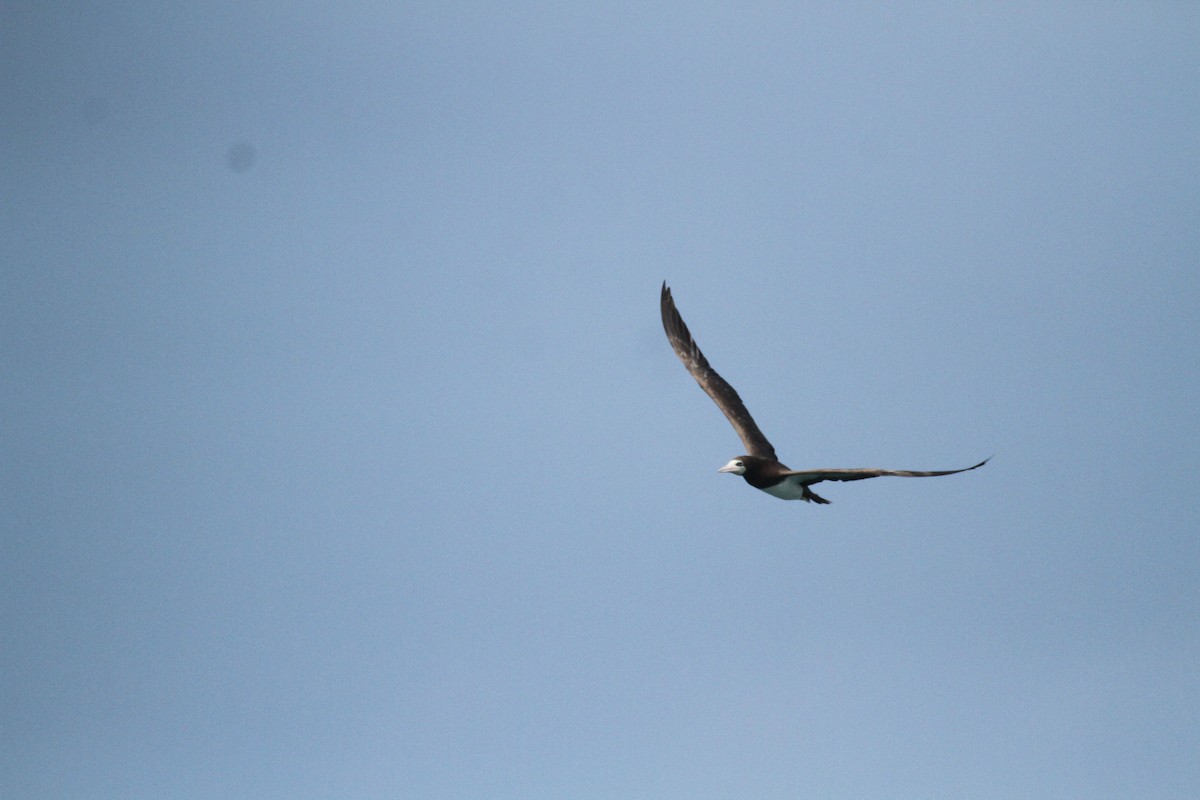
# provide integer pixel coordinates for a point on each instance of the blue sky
(365, 470)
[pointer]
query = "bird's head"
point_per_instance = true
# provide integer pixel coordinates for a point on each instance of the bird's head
(737, 466)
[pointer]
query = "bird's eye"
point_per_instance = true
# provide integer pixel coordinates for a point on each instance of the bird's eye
(740, 464)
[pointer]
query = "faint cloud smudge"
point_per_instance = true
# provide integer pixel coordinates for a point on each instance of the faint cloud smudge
(241, 156)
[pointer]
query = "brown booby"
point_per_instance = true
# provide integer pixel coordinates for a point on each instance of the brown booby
(760, 467)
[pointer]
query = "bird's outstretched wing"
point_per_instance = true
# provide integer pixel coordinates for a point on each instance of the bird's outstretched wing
(811, 476)
(718, 388)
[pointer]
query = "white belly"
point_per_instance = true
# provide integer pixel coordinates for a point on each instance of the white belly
(787, 489)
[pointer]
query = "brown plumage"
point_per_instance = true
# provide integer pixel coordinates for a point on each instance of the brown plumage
(760, 468)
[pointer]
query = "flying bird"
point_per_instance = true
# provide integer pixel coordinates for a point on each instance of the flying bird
(760, 468)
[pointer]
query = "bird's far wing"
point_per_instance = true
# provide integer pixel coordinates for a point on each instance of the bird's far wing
(713, 384)
(811, 476)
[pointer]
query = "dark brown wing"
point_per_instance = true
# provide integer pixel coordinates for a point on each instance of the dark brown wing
(811, 476)
(713, 384)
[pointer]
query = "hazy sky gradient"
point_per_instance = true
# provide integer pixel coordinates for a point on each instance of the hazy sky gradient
(344, 456)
